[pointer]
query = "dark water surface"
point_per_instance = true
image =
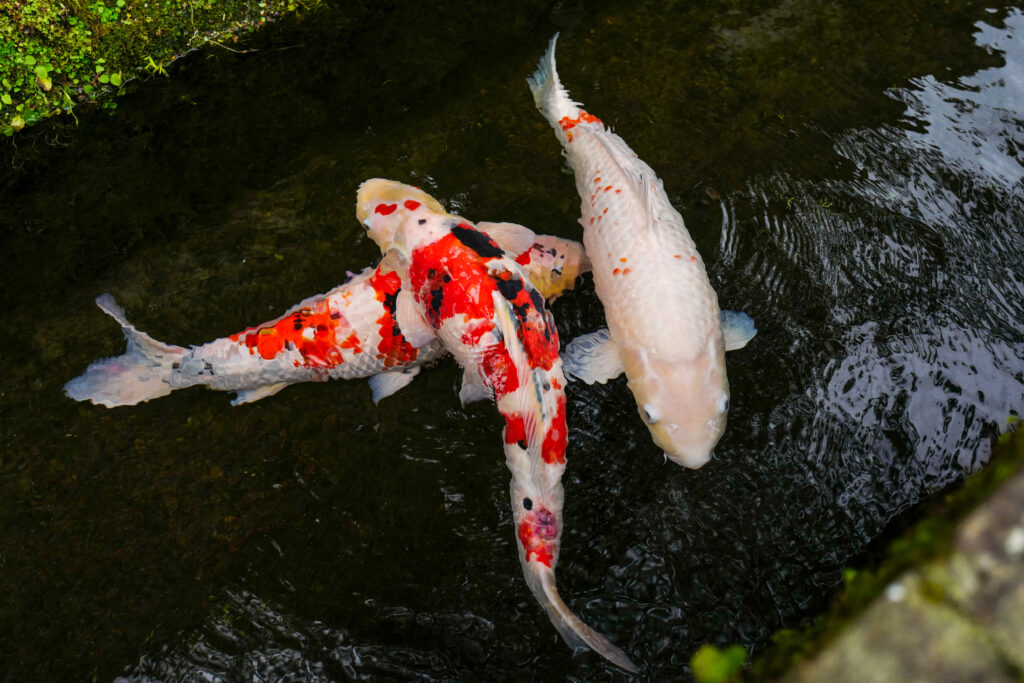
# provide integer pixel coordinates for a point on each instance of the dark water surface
(852, 175)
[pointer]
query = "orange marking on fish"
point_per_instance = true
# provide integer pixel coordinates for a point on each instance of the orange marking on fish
(533, 545)
(607, 187)
(385, 209)
(626, 271)
(411, 204)
(311, 332)
(693, 258)
(552, 450)
(622, 260)
(616, 271)
(515, 429)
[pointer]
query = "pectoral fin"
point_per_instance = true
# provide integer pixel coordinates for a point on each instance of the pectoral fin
(512, 237)
(737, 329)
(592, 358)
(387, 383)
(411, 322)
(473, 389)
(250, 395)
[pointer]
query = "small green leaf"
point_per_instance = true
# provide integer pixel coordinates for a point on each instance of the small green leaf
(120, 3)
(7, 84)
(17, 123)
(99, 69)
(5, 98)
(711, 665)
(73, 21)
(115, 79)
(104, 78)
(30, 60)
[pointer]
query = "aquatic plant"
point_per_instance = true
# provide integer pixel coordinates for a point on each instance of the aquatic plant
(55, 56)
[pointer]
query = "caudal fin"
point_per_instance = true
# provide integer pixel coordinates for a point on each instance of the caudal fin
(548, 94)
(572, 629)
(141, 374)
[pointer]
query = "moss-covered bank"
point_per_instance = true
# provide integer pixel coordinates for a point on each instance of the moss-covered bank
(912, 564)
(56, 55)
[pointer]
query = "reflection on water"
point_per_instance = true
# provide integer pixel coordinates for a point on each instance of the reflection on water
(314, 536)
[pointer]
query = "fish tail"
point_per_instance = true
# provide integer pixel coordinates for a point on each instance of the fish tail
(576, 634)
(142, 373)
(551, 98)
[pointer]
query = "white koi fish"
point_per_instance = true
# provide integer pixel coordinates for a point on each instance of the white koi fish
(466, 290)
(665, 329)
(349, 332)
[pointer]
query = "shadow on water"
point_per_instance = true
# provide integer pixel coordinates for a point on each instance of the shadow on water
(852, 177)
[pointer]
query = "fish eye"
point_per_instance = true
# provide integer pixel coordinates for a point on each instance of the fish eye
(527, 503)
(725, 403)
(650, 416)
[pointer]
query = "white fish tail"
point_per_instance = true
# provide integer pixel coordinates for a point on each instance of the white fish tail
(141, 374)
(577, 634)
(551, 98)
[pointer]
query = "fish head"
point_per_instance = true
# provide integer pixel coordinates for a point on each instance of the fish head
(684, 403)
(553, 264)
(385, 206)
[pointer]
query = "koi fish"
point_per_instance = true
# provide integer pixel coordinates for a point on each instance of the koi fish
(467, 291)
(665, 330)
(349, 332)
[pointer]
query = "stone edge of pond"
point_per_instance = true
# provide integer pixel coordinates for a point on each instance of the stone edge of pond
(55, 57)
(943, 602)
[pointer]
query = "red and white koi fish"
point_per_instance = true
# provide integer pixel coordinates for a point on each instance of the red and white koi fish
(467, 291)
(349, 332)
(665, 329)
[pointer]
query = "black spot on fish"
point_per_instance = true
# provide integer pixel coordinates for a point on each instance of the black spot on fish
(510, 288)
(422, 221)
(538, 300)
(483, 245)
(298, 325)
(436, 299)
(175, 366)
(207, 367)
(522, 444)
(527, 503)
(390, 301)
(447, 277)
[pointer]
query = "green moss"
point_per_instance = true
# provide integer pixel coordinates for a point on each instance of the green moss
(55, 56)
(930, 538)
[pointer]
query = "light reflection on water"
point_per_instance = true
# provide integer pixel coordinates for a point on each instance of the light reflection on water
(891, 317)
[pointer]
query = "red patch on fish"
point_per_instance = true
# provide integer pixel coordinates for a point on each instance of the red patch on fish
(393, 348)
(310, 331)
(411, 204)
(385, 209)
(556, 439)
(533, 545)
(515, 429)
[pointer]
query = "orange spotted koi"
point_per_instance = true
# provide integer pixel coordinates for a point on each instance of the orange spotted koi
(349, 332)
(665, 330)
(467, 290)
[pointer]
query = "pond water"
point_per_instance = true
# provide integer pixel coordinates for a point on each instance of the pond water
(852, 176)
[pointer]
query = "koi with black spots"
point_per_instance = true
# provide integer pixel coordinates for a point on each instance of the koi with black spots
(466, 289)
(349, 332)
